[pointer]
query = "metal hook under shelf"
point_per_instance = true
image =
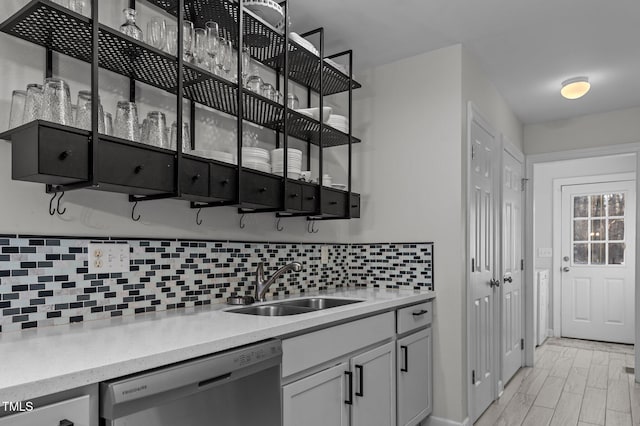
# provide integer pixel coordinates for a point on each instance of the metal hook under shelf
(58, 206)
(278, 227)
(52, 211)
(133, 210)
(198, 220)
(242, 224)
(311, 227)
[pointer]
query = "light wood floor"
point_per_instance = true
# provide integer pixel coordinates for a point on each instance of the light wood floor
(573, 383)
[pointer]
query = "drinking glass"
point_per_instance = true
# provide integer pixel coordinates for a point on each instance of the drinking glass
(83, 113)
(18, 101)
(172, 40)
(200, 47)
(213, 43)
(77, 5)
(157, 33)
(268, 91)
(144, 131)
(129, 27)
(56, 102)
(222, 57)
(292, 101)
(74, 115)
(187, 40)
(254, 83)
(108, 124)
(126, 125)
(186, 140)
(246, 64)
(156, 123)
(33, 104)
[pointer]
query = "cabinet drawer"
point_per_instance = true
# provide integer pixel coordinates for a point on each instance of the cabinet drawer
(75, 410)
(44, 154)
(414, 317)
(354, 205)
(260, 190)
(194, 179)
(311, 349)
(135, 167)
(334, 203)
(223, 182)
(293, 197)
(309, 198)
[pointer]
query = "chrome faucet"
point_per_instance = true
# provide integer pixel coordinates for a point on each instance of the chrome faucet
(263, 284)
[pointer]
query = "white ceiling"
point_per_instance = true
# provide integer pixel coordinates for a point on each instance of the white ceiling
(527, 47)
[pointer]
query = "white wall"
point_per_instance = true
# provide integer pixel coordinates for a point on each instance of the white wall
(411, 178)
(545, 175)
(94, 213)
(587, 131)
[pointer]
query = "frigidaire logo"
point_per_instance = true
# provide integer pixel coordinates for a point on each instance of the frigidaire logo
(134, 390)
(17, 407)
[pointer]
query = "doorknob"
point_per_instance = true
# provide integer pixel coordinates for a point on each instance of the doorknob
(494, 283)
(566, 269)
(508, 279)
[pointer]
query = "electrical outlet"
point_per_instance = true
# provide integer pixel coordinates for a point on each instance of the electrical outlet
(545, 252)
(324, 255)
(108, 258)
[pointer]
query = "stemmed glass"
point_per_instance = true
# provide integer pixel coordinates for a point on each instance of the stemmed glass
(187, 40)
(246, 64)
(157, 33)
(222, 57)
(213, 44)
(230, 60)
(200, 50)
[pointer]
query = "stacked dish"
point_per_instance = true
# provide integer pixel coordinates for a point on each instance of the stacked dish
(304, 43)
(339, 122)
(225, 157)
(256, 158)
(315, 113)
(294, 162)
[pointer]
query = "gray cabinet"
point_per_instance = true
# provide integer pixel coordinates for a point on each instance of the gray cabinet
(414, 375)
(76, 411)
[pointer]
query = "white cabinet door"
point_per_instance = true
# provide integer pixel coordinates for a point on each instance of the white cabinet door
(317, 400)
(414, 378)
(76, 411)
(374, 397)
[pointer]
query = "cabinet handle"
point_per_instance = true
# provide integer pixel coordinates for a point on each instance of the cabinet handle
(313, 197)
(225, 182)
(196, 177)
(263, 189)
(64, 154)
(405, 369)
(65, 422)
(294, 195)
(353, 206)
(333, 203)
(138, 169)
(420, 313)
(360, 380)
(349, 400)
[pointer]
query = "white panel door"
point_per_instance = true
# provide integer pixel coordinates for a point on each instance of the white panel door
(512, 238)
(317, 400)
(483, 284)
(598, 263)
(374, 380)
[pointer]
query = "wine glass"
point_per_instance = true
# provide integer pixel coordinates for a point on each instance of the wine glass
(213, 43)
(187, 40)
(246, 64)
(221, 58)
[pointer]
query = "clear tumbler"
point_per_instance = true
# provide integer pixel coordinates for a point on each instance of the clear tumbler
(127, 125)
(56, 102)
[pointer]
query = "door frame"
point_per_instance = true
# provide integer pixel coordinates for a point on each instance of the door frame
(531, 160)
(474, 115)
(507, 146)
(556, 260)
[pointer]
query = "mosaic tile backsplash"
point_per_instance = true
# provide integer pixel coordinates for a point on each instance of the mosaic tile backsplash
(45, 281)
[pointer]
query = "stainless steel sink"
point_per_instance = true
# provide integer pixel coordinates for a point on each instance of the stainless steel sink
(274, 310)
(318, 303)
(294, 307)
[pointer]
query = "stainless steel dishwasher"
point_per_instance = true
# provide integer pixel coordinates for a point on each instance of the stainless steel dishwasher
(239, 387)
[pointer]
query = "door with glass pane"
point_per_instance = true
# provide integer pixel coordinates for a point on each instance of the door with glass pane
(598, 261)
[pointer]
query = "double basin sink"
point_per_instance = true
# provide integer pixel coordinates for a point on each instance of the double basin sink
(294, 307)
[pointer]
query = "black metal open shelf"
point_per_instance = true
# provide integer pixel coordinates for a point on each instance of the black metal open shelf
(265, 43)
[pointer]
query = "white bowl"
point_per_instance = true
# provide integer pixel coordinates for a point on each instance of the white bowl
(315, 113)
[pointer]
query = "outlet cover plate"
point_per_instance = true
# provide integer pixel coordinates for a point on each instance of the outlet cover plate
(105, 258)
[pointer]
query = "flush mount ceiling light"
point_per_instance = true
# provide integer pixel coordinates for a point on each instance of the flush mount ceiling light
(575, 88)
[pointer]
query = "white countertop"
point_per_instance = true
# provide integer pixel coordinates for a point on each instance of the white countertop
(43, 361)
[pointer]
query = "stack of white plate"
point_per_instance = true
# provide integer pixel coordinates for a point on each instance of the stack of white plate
(256, 158)
(294, 162)
(339, 122)
(223, 156)
(304, 43)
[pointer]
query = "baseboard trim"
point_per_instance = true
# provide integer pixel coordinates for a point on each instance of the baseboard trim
(439, 421)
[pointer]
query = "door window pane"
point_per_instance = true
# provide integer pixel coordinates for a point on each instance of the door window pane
(597, 230)
(616, 253)
(616, 229)
(597, 206)
(581, 230)
(616, 204)
(598, 254)
(580, 206)
(580, 254)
